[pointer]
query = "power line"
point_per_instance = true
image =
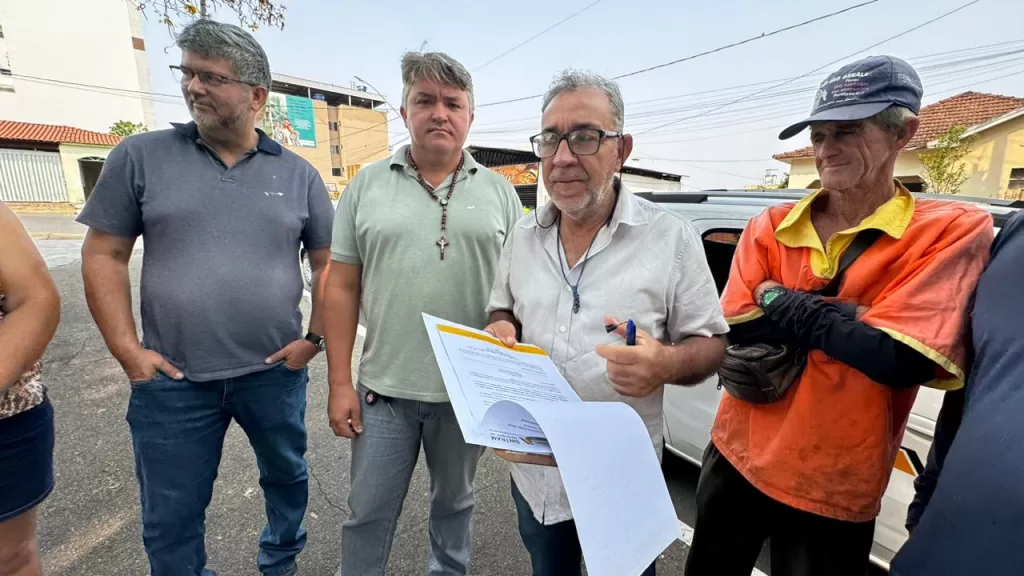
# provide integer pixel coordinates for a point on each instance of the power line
(905, 32)
(781, 104)
(160, 98)
(539, 34)
(712, 51)
(743, 176)
(95, 87)
(777, 116)
(748, 40)
(773, 128)
(981, 51)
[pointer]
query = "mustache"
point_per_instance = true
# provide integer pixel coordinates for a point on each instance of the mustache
(566, 176)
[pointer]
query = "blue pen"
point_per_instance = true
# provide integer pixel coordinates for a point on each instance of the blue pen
(630, 333)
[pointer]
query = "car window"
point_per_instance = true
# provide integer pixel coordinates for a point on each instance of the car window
(719, 247)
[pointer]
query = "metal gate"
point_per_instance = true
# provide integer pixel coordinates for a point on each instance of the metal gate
(31, 176)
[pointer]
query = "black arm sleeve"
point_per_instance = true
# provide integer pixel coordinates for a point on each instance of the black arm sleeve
(819, 325)
(758, 331)
(945, 430)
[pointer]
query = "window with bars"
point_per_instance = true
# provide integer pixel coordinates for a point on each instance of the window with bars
(1016, 179)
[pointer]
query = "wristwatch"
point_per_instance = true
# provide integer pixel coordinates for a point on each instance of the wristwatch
(315, 340)
(771, 294)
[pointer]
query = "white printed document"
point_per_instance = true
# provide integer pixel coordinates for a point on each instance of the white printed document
(516, 399)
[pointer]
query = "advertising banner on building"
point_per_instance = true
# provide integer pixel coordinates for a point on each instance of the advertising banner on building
(518, 174)
(289, 120)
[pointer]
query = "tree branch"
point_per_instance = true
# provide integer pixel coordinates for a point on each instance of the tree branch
(251, 14)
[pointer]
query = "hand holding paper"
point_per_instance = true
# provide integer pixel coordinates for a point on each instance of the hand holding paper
(503, 330)
(513, 398)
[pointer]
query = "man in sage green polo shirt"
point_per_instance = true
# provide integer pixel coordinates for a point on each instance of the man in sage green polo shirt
(421, 231)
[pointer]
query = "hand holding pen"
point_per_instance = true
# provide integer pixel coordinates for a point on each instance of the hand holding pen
(638, 368)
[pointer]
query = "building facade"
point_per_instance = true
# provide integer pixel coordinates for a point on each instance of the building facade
(336, 129)
(50, 167)
(994, 166)
(74, 62)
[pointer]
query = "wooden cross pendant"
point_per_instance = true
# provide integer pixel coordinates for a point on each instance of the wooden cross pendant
(442, 244)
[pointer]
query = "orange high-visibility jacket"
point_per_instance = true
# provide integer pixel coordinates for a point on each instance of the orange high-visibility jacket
(829, 445)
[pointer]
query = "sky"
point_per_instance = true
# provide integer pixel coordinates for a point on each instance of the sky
(727, 107)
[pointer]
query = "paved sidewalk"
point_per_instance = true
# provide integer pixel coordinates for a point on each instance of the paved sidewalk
(52, 226)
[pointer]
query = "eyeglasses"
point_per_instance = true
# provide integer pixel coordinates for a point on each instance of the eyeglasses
(582, 141)
(209, 79)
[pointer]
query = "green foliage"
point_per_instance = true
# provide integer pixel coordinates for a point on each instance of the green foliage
(251, 13)
(126, 128)
(944, 169)
(785, 182)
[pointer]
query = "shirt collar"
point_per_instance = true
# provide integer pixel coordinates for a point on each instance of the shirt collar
(265, 144)
(892, 218)
(628, 210)
(469, 164)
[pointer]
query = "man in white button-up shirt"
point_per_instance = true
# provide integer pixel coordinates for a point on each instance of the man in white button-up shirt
(596, 255)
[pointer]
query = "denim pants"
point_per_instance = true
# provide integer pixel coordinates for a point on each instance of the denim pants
(383, 459)
(178, 429)
(554, 548)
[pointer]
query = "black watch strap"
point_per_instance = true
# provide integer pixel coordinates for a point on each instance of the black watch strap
(315, 340)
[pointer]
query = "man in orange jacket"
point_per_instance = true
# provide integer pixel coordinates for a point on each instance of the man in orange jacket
(809, 470)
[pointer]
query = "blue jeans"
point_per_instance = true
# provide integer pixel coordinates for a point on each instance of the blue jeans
(555, 548)
(383, 459)
(178, 429)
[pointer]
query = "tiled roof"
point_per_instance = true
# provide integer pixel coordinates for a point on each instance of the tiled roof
(27, 132)
(967, 109)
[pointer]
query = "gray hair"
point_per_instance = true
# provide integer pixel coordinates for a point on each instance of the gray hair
(893, 118)
(573, 80)
(437, 67)
(231, 43)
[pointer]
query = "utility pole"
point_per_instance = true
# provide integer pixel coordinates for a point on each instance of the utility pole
(202, 9)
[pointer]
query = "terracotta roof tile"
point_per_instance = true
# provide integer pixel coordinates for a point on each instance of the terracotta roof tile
(27, 132)
(967, 109)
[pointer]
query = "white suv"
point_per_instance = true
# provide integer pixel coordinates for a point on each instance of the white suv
(720, 217)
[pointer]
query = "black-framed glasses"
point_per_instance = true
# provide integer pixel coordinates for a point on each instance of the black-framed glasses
(582, 141)
(185, 75)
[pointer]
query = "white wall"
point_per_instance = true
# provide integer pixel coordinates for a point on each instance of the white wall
(6, 82)
(73, 41)
(639, 183)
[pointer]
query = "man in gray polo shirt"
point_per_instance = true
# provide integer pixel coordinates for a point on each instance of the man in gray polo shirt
(222, 209)
(419, 232)
(597, 255)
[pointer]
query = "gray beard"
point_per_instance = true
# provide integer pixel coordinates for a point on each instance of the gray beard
(214, 124)
(594, 201)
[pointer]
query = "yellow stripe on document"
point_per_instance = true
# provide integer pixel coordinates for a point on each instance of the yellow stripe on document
(525, 348)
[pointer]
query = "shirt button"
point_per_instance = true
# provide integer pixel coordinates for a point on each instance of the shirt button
(561, 329)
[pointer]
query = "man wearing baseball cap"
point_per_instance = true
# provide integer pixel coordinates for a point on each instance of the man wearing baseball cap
(807, 467)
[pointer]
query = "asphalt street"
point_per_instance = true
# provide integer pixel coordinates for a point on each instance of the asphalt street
(90, 524)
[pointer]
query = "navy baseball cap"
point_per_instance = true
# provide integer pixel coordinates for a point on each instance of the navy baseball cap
(862, 89)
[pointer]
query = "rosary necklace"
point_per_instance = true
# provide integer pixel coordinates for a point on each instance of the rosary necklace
(442, 243)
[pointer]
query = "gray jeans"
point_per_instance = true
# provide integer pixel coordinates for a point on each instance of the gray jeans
(383, 459)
